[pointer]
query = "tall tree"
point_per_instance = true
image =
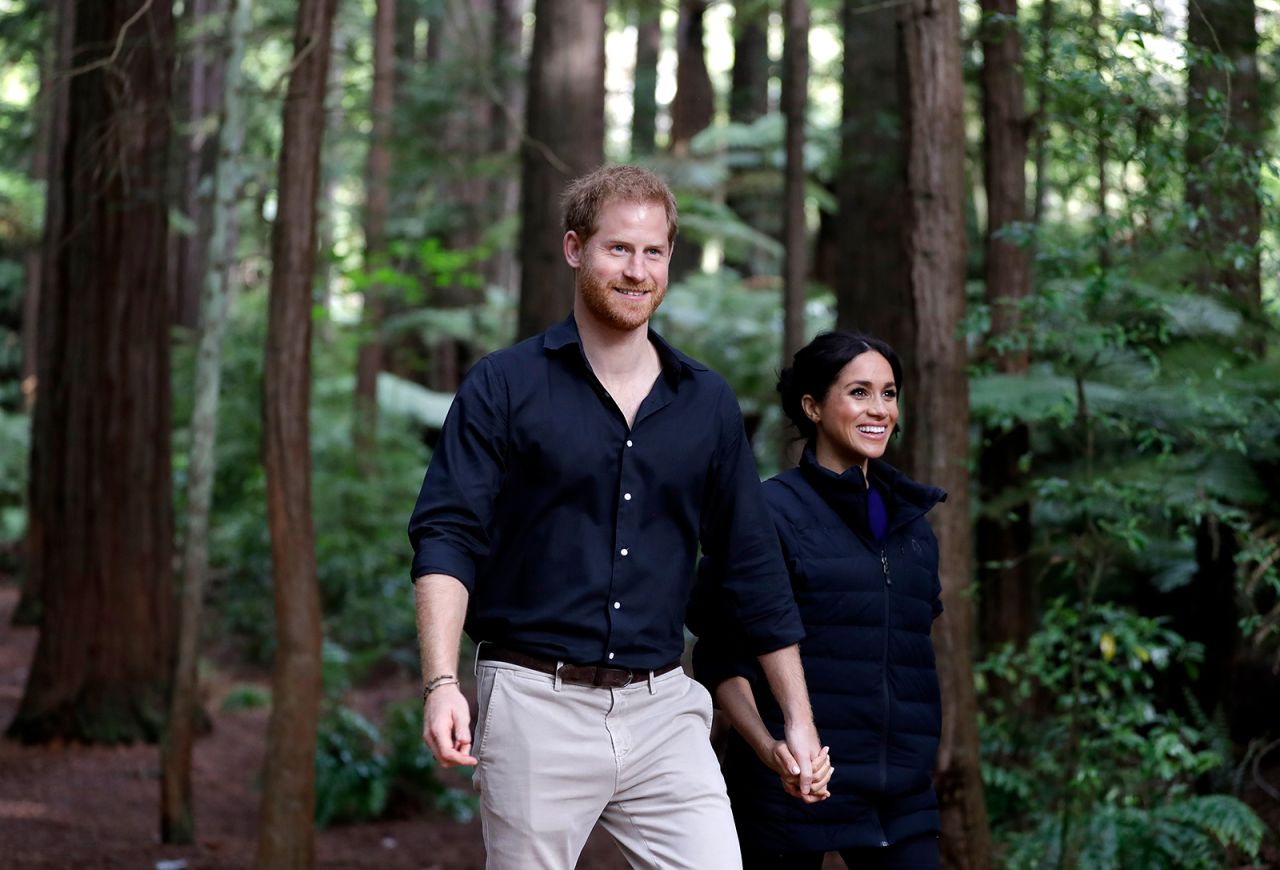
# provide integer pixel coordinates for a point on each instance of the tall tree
(177, 818)
(795, 104)
(1223, 198)
(288, 801)
(100, 463)
(564, 138)
(692, 110)
(935, 244)
(644, 116)
(749, 89)
(1004, 535)
(200, 88)
(53, 132)
(753, 190)
(377, 203)
(870, 277)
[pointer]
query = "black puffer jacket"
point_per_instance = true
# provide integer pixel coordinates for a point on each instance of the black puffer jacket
(867, 609)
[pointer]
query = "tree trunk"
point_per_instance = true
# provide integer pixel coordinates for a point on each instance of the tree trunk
(202, 65)
(101, 514)
(505, 111)
(35, 308)
(1101, 133)
(177, 816)
(565, 138)
(795, 104)
(940, 410)
(749, 96)
(1044, 32)
(644, 117)
(753, 192)
(871, 277)
(288, 801)
(1224, 135)
(692, 110)
(377, 202)
(1004, 536)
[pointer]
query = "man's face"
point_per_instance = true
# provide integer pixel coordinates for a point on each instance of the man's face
(622, 267)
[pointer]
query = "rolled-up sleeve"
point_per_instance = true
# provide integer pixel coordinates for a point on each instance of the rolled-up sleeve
(449, 529)
(746, 576)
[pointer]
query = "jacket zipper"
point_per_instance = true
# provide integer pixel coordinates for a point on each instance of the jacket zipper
(884, 676)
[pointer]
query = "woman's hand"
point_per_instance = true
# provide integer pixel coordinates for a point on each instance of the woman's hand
(778, 758)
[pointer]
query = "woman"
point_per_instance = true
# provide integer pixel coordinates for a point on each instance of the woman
(864, 570)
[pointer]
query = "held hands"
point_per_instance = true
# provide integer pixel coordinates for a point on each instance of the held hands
(446, 726)
(780, 760)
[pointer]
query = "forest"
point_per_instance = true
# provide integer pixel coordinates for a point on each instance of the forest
(249, 249)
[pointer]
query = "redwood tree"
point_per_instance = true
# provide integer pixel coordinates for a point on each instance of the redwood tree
(100, 475)
(564, 139)
(288, 800)
(939, 409)
(795, 99)
(871, 277)
(376, 205)
(1004, 534)
(644, 117)
(177, 817)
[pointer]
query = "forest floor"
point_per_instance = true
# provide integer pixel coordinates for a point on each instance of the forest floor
(74, 806)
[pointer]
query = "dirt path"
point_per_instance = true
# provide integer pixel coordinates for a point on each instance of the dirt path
(67, 806)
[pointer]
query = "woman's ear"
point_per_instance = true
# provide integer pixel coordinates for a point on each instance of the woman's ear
(810, 408)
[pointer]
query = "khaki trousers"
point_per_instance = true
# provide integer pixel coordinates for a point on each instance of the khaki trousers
(555, 758)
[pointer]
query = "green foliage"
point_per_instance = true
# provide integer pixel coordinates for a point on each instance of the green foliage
(362, 774)
(361, 549)
(245, 697)
(1104, 780)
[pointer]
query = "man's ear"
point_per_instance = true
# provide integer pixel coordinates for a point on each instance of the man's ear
(572, 249)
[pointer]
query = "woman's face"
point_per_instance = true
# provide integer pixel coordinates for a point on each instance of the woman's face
(857, 415)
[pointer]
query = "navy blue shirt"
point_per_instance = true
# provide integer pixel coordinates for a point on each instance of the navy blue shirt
(576, 536)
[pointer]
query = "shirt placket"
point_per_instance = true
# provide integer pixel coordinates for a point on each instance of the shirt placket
(627, 506)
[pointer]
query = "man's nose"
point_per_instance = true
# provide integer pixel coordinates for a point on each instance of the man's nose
(634, 267)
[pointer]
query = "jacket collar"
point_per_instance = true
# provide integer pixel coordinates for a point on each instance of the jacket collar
(675, 364)
(846, 493)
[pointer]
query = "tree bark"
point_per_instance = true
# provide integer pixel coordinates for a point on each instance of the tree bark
(177, 816)
(565, 138)
(200, 72)
(795, 103)
(1044, 33)
(288, 801)
(749, 94)
(940, 410)
(692, 111)
(871, 277)
(644, 117)
(1008, 604)
(34, 309)
(102, 522)
(377, 203)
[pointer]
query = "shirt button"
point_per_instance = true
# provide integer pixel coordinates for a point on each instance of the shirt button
(626, 496)
(611, 659)
(628, 442)
(623, 551)
(617, 605)
(884, 842)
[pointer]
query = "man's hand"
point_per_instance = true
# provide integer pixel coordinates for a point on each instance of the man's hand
(780, 760)
(446, 726)
(804, 746)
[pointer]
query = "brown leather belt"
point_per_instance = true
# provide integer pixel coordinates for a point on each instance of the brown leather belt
(598, 676)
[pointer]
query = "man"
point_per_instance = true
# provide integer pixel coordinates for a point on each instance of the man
(575, 477)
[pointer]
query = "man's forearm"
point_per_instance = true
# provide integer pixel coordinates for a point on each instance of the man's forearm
(785, 674)
(441, 608)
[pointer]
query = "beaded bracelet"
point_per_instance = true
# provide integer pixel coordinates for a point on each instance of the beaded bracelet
(437, 682)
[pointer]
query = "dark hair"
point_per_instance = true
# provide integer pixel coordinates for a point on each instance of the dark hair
(816, 365)
(587, 195)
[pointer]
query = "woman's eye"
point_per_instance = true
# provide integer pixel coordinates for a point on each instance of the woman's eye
(890, 395)
(859, 393)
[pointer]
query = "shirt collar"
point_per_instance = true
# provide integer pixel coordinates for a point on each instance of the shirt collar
(674, 363)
